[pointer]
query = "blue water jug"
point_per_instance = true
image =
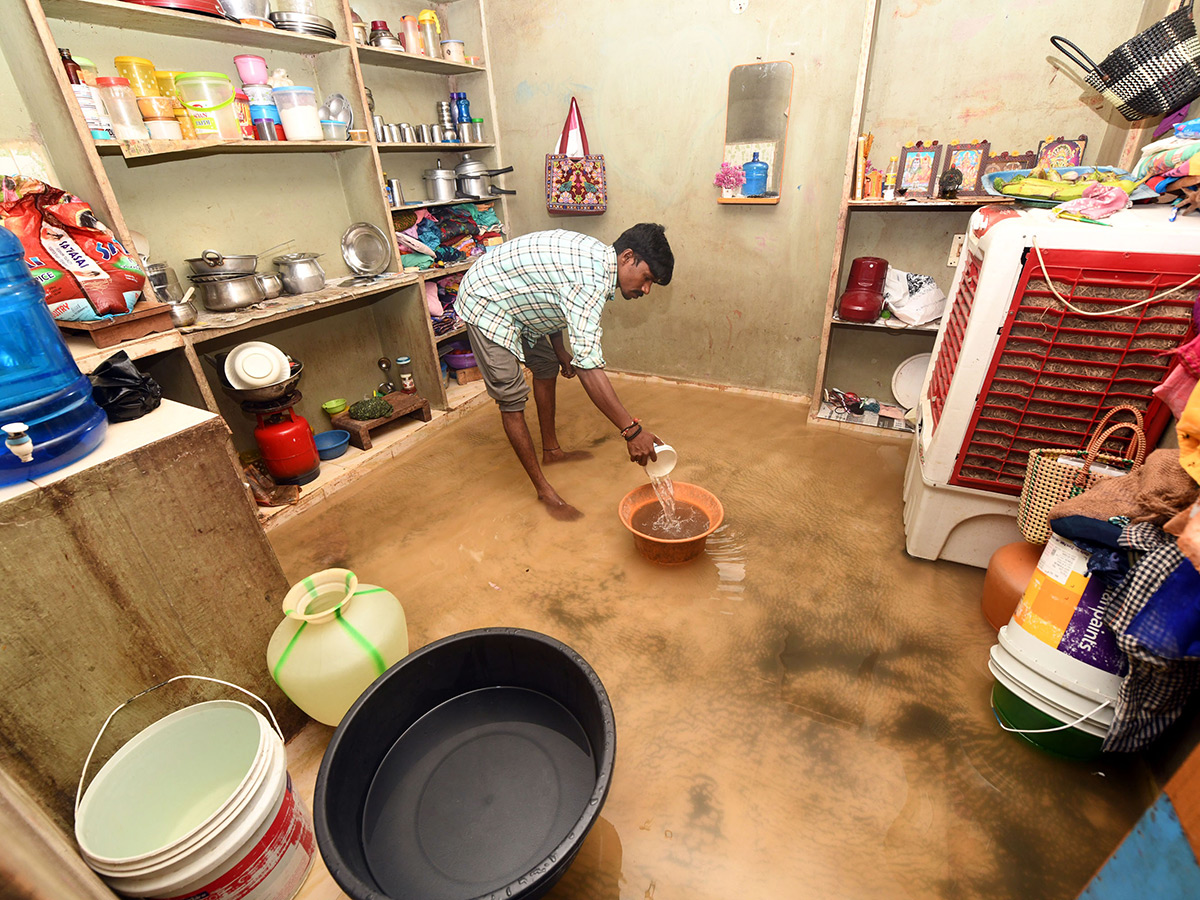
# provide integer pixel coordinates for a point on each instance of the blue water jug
(47, 413)
(756, 177)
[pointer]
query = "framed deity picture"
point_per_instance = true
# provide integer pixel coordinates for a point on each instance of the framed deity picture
(969, 159)
(918, 169)
(1060, 153)
(1007, 162)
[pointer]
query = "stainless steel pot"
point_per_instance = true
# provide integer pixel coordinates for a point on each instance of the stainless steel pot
(271, 284)
(439, 183)
(210, 262)
(300, 272)
(472, 179)
(223, 293)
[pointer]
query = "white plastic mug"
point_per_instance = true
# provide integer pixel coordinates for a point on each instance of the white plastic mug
(665, 462)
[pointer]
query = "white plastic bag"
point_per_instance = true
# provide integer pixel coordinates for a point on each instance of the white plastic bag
(913, 299)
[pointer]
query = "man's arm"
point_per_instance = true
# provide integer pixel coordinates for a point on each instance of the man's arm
(600, 391)
(563, 354)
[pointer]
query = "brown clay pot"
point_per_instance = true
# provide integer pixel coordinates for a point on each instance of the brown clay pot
(663, 551)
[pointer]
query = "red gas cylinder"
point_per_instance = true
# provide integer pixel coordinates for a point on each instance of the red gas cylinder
(286, 443)
(862, 301)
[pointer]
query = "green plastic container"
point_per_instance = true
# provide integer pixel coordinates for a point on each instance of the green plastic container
(1070, 743)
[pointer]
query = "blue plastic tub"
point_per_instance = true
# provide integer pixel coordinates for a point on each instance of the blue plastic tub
(332, 444)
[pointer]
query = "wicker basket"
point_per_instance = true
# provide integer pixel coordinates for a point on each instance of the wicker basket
(1055, 475)
(1151, 74)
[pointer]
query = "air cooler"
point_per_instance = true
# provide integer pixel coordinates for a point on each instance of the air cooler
(1015, 368)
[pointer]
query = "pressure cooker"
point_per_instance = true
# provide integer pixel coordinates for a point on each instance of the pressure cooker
(472, 179)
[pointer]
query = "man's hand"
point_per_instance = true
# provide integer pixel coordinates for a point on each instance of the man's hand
(563, 354)
(641, 448)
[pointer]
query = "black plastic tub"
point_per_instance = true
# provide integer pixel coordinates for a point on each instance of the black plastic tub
(473, 768)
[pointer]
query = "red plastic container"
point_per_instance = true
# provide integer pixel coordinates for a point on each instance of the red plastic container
(862, 301)
(287, 446)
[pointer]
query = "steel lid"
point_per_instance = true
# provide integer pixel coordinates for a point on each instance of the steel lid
(366, 249)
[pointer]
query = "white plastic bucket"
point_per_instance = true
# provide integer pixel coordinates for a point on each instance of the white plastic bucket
(199, 804)
(1075, 675)
(1048, 697)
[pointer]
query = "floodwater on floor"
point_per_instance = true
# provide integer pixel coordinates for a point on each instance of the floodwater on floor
(801, 712)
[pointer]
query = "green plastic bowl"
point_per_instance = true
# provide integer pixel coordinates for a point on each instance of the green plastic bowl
(1070, 743)
(333, 407)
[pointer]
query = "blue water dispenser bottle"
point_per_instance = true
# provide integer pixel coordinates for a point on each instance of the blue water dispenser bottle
(47, 414)
(756, 177)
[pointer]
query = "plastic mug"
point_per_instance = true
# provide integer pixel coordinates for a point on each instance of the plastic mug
(664, 464)
(251, 69)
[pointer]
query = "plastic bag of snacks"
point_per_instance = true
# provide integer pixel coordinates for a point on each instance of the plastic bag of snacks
(86, 272)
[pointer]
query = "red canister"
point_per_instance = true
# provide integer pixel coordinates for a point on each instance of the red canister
(286, 443)
(862, 301)
(241, 106)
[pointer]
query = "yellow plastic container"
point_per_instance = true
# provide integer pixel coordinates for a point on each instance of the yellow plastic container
(338, 637)
(209, 98)
(166, 82)
(140, 73)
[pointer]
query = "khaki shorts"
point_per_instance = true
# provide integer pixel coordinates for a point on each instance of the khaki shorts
(501, 370)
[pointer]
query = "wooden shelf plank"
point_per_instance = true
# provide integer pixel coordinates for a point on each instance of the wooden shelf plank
(398, 59)
(930, 327)
(970, 203)
(164, 151)
(131, 17)
(424, 148)
(329, 296)
(450, 335)
(88, 355)
(429, 204)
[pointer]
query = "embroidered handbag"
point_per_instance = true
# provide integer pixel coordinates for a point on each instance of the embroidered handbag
(1054, 474)
(575, 182)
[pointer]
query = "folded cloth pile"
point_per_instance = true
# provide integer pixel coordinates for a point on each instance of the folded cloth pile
(1143, 533)
(447, 293)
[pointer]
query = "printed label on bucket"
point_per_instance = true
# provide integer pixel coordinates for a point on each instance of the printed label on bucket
(278, 864)
(1061, 608)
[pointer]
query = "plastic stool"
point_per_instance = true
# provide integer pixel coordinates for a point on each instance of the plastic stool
(1008, 574)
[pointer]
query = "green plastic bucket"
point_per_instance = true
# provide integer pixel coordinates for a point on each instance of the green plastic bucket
(1029, 724)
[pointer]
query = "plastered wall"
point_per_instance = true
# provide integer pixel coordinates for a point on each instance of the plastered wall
(747, 302)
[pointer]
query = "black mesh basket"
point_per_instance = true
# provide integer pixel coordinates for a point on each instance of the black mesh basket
(1152, 74)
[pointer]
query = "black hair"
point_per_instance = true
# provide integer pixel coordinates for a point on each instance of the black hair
(649, 244)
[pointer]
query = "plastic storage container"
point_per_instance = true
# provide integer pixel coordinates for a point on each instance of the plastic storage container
(431, 33)
(209, 98)
(46, 407)
(268, 111)
(338, 637)
(122, 109)
(166, 84)
(251, 69)
(454, 51)
(140, 74)
(412, 35)
(298, 112)
(333, 130)
(165, 129)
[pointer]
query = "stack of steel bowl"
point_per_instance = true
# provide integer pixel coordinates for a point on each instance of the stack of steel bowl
(303, 23)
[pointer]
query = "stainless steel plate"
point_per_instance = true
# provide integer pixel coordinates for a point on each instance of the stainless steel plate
(366, 249)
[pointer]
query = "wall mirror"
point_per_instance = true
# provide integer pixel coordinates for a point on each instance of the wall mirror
(756, 120)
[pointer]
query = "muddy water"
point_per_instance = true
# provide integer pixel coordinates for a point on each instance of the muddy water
(801, 712)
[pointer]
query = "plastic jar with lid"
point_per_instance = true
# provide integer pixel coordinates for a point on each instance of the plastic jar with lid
(140, 73)
(165, 129)
(122, 109)
(208, 97)
(412, 35)
(431, 33)
(404, 373)
(298, 111)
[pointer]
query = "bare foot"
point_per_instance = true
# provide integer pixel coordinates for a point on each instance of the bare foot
(557, 456)
(559, 508)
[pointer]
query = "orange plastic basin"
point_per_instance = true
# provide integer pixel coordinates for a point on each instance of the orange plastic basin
(664, 551)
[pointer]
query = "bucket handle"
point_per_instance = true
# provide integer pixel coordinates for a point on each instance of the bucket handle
(1048, 730)
(87, 762)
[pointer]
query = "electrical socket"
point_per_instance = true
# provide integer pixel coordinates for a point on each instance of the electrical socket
(956, 249)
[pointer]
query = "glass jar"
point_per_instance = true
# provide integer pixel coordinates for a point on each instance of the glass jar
(122, 108)
(404, 374)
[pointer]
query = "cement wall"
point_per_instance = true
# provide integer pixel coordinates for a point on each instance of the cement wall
(747, 301)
